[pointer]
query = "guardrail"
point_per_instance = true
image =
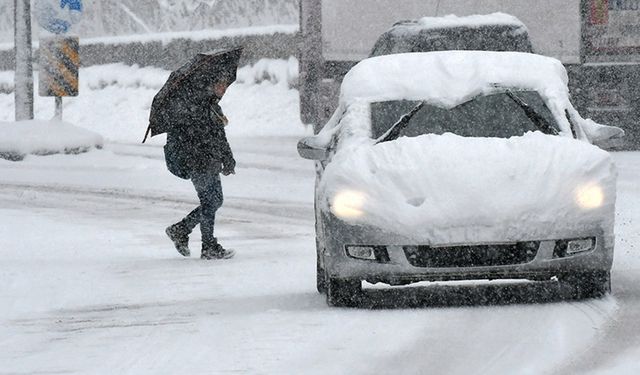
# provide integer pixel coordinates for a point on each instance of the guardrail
(170, 54)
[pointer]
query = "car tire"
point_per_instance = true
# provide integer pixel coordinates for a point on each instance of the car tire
(343, 292)
(321, 283)
(588, 284)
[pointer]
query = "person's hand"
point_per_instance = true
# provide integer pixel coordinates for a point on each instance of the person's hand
(229, 167)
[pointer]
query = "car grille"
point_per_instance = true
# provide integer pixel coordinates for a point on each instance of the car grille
(472, 256)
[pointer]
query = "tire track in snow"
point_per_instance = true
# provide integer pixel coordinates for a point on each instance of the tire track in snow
(620, 334)
(260, 218)
(523, 339)
(293, 211)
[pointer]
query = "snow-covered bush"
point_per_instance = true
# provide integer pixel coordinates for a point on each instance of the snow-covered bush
(6, 82)
(275, 71)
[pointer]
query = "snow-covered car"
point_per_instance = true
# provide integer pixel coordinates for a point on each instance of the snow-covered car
(461, 165)
(490, 32)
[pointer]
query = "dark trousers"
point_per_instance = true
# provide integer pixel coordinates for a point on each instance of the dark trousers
(209, 191)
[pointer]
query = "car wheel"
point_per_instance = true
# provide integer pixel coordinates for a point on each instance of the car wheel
(343, 292)
(590, 284)
(321, 283)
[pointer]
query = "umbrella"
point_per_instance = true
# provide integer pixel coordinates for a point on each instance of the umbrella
(186, 90)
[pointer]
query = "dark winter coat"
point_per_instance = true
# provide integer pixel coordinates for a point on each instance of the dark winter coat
(200, 145)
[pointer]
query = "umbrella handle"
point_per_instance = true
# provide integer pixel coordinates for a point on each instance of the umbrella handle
(146, 133)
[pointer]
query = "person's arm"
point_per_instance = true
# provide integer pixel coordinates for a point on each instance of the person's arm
(226, 155)
(222, 144)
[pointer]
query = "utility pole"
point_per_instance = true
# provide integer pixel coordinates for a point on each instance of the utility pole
(23, 79)
(311, 62)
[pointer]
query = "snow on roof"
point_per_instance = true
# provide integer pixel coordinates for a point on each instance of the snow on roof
(450, 78)
(474, 21)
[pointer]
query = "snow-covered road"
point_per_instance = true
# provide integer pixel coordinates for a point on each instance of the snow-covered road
(91, 284)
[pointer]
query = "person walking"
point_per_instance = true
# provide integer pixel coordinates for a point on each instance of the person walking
(209, 154)
(188, 110)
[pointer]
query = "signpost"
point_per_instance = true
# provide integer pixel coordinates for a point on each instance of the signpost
(59, 55)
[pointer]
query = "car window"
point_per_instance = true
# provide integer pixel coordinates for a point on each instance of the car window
(490, 38)
(495, 115)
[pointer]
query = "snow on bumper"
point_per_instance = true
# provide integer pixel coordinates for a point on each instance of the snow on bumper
(543, 262)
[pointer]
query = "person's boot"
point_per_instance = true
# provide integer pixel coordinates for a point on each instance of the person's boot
(179, 235)
(213, 250)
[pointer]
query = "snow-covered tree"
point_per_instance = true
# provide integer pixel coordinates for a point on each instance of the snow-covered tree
(108, 18)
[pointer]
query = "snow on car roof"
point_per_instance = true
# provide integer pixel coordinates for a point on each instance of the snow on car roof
(449, 78)
(477, 20)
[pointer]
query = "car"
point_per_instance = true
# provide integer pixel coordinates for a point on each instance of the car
(490, 32)
(461, 165)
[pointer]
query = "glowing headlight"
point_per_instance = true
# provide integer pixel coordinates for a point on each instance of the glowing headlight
(348, 204)
(589, 196)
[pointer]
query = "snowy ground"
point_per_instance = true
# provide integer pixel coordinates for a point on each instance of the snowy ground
(90, 284)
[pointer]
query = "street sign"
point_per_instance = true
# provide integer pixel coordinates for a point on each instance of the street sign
(58, 16)
(59, 64)
(612, 31)
(72, 4)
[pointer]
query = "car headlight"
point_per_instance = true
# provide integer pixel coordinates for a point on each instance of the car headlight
(348, 204)
(589, 196)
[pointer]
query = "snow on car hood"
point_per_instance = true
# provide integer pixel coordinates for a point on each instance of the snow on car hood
(439, 189)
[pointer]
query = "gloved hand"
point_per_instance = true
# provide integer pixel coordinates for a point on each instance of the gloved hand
(229, 167)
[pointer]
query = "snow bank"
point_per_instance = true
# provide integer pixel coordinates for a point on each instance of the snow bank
(115, 101)
(44, 138)
(438, 189)
(98, 77)
(275, 71)
(6, 82)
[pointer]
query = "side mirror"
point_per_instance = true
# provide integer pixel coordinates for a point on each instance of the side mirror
(612, 144)
(609, 138)
(309, 148)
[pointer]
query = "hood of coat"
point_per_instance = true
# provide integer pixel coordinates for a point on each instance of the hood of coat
(451, 189)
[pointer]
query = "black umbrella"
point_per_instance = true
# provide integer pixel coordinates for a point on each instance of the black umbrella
(186, 90)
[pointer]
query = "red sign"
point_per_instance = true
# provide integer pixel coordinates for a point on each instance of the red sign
(599, 12)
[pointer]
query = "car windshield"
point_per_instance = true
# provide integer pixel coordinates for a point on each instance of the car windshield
(490, 38)
(495, 115)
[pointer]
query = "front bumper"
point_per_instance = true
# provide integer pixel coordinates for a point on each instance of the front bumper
(397, 269)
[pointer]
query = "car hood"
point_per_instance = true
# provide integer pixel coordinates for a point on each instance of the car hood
(442, 189)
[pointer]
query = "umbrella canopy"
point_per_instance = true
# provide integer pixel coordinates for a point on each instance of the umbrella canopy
(186, 91)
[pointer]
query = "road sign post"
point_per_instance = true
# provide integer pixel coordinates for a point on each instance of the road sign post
(58, 112)
(23, 78)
